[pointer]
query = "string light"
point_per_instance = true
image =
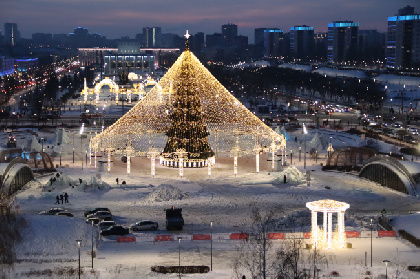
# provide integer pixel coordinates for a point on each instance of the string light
(189, 109)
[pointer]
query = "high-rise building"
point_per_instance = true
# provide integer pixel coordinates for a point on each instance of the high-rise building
(11, 34)
(371, 46)
(152, 37)
(403, 40)
(259, 37)
(342, 41)
(214, 40)
(273, 40)
(320, 46)
(197, 42)
(229, 34)
(302, 42)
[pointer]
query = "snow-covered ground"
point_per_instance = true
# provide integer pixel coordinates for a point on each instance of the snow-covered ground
(49, 242)
(49, 245)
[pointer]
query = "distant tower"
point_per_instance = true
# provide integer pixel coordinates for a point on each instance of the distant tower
(302, 42)
(11, 34)
(403, 40)
(152, 36)
(342, 41)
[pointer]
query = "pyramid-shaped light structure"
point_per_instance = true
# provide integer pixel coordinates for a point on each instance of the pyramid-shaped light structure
(232, 127)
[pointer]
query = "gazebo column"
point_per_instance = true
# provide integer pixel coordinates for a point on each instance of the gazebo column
(209, 167)
(95, 157)
(324, 225)
(340, 229)
(257, 162)
(314, 221)
(329, 230)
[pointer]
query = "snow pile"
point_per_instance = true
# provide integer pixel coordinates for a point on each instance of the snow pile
(317, 142)
(59, 181)
(62, 181)
(293, 175)
(34, 145)
(94, 184)
(61, 137)
(165, 192)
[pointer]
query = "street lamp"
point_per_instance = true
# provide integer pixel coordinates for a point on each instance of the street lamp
(371, 250)
(291, 157)
(386, 268)
(92, 245)
(179, 257)
(79, 241)
(300, 151)
(211, 246)
(304, 131)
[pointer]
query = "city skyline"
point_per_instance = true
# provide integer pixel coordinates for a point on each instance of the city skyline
(114, 20)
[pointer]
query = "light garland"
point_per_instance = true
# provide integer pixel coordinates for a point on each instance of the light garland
(215, 119)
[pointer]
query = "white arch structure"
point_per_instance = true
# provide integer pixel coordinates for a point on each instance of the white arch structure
(138, 88)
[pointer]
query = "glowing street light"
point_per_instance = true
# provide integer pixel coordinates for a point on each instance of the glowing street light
(79, 241)
(386, 268)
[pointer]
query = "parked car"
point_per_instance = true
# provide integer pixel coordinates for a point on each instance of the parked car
(101, 214)
(106, 224)
(410, 139)
(414, 131)
(396, 125)
(144, 226)
(94, 210)
(95, 220)
(115, 230)
(64, 213)
(52, 211)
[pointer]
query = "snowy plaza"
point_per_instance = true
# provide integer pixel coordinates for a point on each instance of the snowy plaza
(220, 178)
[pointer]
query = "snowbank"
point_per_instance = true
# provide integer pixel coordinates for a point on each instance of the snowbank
(293, 175)
(165, 192)
(62, 181)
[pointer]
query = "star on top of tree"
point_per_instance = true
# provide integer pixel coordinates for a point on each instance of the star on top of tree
(187, 35)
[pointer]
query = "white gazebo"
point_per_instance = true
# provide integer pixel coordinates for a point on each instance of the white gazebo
(324, 238)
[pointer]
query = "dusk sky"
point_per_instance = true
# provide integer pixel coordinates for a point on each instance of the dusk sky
(116, 18)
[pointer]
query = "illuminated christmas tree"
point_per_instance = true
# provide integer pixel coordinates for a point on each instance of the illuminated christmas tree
(190, 114)
(187, 131)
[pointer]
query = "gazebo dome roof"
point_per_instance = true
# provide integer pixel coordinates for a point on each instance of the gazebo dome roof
(327, 205)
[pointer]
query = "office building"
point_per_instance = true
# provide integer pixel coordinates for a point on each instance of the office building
(11, 34)
(229, 34)
(342, 41)
(302, 42)
(371, 46)
(6, 66)
(403, 40)
(320, 46)
(273, 42)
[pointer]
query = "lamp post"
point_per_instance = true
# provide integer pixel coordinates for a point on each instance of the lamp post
(92, 245)
(386, 268)
(73, 147)
(79, 241)
(371, 247)
(304, 131)
(291, 157)
(300, 151)
(211, 246)
(179, 257)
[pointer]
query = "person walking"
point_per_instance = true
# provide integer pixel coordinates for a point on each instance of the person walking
(66, 198)
(57, 200)
(62, 198)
